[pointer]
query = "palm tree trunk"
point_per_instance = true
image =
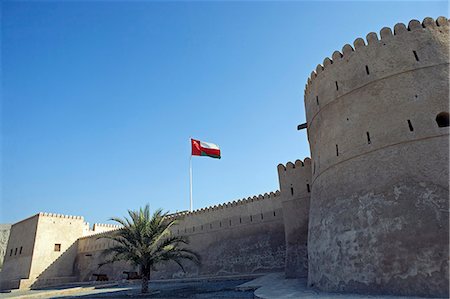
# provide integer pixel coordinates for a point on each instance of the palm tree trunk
(144, 288)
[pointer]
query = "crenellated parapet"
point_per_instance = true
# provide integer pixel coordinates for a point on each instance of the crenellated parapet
(295, 179)
(387, 35)
(54, 215)
(231, 204)
(228, 216)
(106, 225)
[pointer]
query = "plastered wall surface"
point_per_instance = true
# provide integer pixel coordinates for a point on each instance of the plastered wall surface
(242, 237)
(17, 262)
(379, 203)
(90, 256)
(48, 262)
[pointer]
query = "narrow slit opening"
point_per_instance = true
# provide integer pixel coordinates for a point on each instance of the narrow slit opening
(317, 100)
(292, 191)
(367, 70)
(415, 55)
(308, 188)
(274, 214)
(368, 138)
(337, 150)
(410, 126)
(337, 86)
(262, 216)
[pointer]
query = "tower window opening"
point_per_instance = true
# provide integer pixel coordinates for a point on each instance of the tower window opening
(230, 222)
(10, 253)
(308, 188)
(292, 191)
(368, 138)
(442, 120)
(367, 70)
(220, 224)
(317, 100)
(337, 150)
(57, 247)
(240, 220)
(251, 218)
(15, 251)
(20, 251)
(410, 126)
(415, 55)
(274, 214)
(337, 86)
(262, 216)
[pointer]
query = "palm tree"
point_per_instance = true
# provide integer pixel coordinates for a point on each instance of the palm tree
(145, 240)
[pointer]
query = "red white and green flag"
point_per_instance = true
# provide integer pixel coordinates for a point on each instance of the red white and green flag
(201, 148)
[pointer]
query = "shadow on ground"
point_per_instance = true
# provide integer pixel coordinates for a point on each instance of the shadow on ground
(195, 290)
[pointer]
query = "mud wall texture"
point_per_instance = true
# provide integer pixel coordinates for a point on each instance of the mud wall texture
(4, 236)
(295, 189)
(90, 257)
(378, 219)
(241, 237)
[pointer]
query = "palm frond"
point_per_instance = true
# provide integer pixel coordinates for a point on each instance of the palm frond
(145, 240)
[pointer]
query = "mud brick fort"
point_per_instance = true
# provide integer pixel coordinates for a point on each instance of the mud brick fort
(368, 212)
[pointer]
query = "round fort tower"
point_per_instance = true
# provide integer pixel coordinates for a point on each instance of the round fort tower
(377, 117)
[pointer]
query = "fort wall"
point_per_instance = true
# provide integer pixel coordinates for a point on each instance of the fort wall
(42, 250)
(19, 253)
(55, 249)
(240, 237)
(295, 191)
(379, 200)
(90, 257)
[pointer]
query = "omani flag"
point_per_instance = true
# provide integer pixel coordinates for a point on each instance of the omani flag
(200, 148)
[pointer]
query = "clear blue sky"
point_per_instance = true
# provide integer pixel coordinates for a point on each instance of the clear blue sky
(99, 98)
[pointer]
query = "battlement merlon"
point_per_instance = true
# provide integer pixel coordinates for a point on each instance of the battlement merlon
(270, 195)
(54, 215)
(372, 39)
(295, 179)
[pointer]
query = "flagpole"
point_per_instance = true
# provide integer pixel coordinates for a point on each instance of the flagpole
(190, 177)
